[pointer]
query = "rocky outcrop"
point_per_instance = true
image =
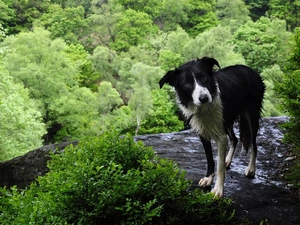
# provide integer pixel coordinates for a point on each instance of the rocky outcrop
(23, 170)
(264, 198)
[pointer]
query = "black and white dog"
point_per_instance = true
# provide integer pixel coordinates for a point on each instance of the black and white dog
(212, 101)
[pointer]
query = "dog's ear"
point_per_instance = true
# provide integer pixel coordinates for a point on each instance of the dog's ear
(169, 78)
(210, 62)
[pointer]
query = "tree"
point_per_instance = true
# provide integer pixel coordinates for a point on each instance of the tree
(176, 41)
(108, 98)
(2, 32)
(104, 62)
(214, 43)
(103, 21)
(271, 104)
(131, 29)
(201, 17)
(258, 8)
(169, 60)
(286, 10)
(263, 43)
(289, 92)
(21, 127)
(136, 82)
(144, 79)
(288, 87)
(45, 69)
(7, 16)
(232, 13)
(27, 11)
(162, 118)
(166, 14)
(75, 3)
(171, 14)
(75, 112)
(140, 103)
(68, 23)
(150, 7)
(171, 49)
(87, 77)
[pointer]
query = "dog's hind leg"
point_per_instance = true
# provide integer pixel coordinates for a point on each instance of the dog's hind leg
(207, 181)
(233, 143)
(254, 126)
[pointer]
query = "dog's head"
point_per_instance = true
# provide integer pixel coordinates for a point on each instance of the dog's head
(193, 81)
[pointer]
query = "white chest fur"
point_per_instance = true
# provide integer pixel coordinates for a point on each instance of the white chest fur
(206, 119)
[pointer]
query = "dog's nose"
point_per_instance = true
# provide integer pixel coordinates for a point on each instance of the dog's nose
(203, 98)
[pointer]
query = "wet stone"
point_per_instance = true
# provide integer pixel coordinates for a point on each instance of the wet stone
(263, 198)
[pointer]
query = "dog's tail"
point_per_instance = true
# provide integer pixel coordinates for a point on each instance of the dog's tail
(245, 131)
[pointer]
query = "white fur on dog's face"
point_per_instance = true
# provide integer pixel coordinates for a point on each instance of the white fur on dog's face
(201, 95)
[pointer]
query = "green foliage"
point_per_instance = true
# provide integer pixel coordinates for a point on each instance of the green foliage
(96, 64)
(21, 128)
(87, 76)
(27, 11)
(201, 17)
(111, 180)
(103, 60)
(176, 41)
(289, 92)
(145, 79)
(52, 79)
(2, 32)
(258, 8)
(68, 23)
(232, 13)
(7, 16)
(263, 43)
(103, 21)
(108, 98)
(286, 10)
(151, 7)
(171, 14)
(131, 29)
(271, 76)
(213, 43)
(162, 118)
(168, 60)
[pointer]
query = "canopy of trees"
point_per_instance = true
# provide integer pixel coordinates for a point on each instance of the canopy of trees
(80, 68)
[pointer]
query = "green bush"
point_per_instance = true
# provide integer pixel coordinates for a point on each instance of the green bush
(289, 91)
(111, 180)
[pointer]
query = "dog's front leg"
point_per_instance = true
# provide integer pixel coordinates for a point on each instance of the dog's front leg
(221, 166)
(207, 181)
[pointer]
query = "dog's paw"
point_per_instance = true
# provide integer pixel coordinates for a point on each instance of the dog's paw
(206, 181)
(218, 192)
(250, 173)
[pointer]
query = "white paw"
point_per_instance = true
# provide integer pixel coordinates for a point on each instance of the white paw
(250, 172)
(218, 192)
(206, 181)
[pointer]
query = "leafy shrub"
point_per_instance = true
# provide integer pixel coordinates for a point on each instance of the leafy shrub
(111, 180)
(289, 91)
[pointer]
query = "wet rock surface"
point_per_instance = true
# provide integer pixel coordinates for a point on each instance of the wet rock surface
(264, 198)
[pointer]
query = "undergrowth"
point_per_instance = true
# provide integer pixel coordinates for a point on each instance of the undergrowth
(111, 180)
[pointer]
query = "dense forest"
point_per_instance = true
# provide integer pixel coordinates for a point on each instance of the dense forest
(78, 68)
